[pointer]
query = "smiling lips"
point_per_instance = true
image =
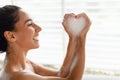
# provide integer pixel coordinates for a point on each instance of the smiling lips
(35, 38)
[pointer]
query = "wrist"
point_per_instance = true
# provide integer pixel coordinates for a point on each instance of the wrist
(73, 37)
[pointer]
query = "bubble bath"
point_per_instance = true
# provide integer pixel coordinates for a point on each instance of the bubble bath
(76, 24)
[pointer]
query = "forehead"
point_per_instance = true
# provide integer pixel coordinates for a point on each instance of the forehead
(23, 15)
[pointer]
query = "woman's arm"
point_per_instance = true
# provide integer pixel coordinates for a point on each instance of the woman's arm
(71, 49)
(43, 70)
(79, 62)
(33, 76)
(65, 69)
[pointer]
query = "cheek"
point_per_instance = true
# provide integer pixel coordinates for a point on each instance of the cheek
(25, 36)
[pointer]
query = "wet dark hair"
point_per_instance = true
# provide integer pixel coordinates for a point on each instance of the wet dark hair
(8, 18)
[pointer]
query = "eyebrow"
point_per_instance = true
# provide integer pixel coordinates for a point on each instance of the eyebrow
(27, 21)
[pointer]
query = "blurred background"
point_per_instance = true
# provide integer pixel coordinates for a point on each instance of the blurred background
(103, 39)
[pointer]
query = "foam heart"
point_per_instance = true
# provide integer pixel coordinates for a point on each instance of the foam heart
(76, 24)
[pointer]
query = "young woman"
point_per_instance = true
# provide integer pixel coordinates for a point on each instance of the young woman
(19, 34)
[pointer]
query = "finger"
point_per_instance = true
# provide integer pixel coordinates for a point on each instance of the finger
(87, 18)
(65, 26)
(69, 15)
(78, 16)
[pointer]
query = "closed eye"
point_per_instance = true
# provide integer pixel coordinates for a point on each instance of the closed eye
(30, 25)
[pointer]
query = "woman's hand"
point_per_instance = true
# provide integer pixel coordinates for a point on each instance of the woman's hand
(82, 26)
(87, 27)
(65, 25)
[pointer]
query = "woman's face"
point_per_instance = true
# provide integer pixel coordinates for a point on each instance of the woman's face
(26, 32)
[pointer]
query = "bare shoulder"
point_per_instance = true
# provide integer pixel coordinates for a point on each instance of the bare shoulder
(26, 76)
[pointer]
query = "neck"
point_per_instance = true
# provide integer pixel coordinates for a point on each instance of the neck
(15, 59)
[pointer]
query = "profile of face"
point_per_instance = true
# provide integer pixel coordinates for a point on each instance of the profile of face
(17, 29)
(26, 32)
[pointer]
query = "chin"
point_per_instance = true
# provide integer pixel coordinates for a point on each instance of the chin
(37, 46)
(34, 47)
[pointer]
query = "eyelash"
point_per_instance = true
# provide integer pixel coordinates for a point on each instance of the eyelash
(30, 24)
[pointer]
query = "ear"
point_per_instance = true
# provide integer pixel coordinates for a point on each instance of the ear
(10, 36)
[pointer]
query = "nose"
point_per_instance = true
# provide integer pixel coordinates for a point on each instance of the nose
(37, 28)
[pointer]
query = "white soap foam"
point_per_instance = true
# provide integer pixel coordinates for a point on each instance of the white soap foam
(4, 75)
(76, 25)
(74, 62)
